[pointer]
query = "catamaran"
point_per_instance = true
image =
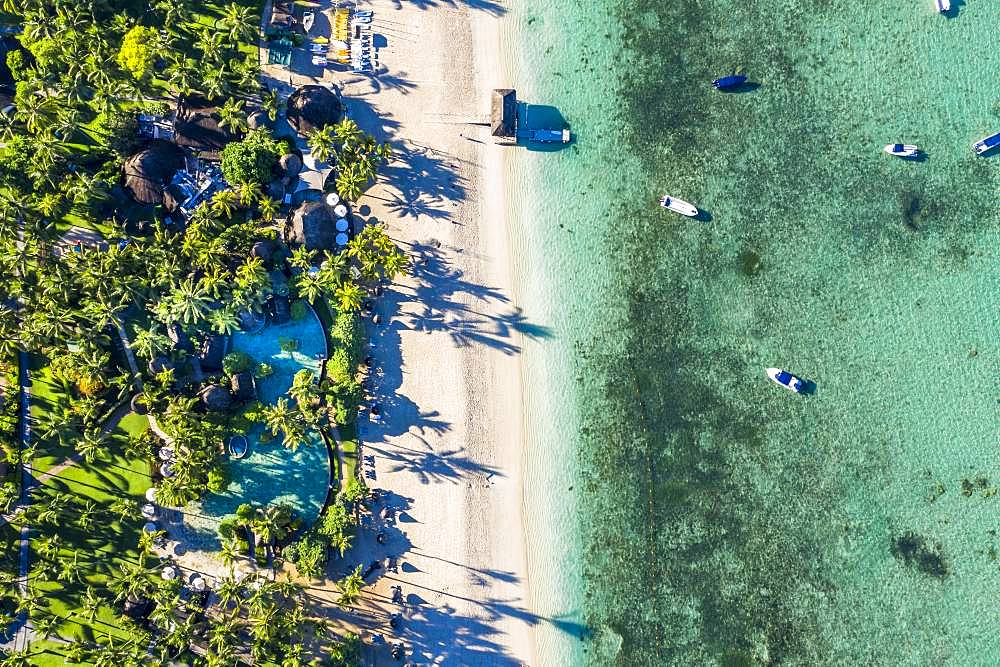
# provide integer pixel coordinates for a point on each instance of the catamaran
(731, 81)
(943, 5)
(786, 380)
(987, 144)
(679, 206)
(902, 150)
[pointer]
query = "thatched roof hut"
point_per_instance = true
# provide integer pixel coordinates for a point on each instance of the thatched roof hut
(503, 113)
(148, 172)
(291, 164)
(213, 349)
(215, 398)
(313, 225)
(197, 128)
(311, 107)
(243, 386)
(259, 119)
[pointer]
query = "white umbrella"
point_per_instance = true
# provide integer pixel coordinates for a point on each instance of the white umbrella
(169, 572)
(341, 238)
(149, 511)
(166, 453)
(150, 527)
(198, 584)
(340, 210)
(342, 225)
(332, 199)
(339, 44)
(151, 494)
(166, 470)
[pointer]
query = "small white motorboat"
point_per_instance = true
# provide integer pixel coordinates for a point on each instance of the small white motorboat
(786, 380)
(902, 150)
(943, 5)
(307, 21)
(679, 206)
(986, 145)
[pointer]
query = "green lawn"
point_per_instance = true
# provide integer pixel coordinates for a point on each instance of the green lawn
(101, 548)
(349, 448)
(45, 394)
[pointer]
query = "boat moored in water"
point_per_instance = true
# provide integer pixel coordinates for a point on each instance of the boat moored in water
(987, 144)
(902, 150)
(679, 206)
(731, 81)
(786, 380)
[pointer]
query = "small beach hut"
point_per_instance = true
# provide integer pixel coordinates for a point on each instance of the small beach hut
(311, 107)
(503, 115)
(198, 128)
(146, 174)
(313, 225)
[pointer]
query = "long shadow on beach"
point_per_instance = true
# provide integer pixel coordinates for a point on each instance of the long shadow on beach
(488, 6)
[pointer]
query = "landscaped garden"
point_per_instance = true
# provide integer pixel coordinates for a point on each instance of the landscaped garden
(165, 295)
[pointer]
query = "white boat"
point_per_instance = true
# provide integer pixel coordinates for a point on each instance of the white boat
(902, 150)
(679, 206)
(786, 380)
(987, 144)
(307, 21)
(943, 5)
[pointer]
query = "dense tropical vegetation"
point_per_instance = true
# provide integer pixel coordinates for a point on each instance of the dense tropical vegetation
(118, 323)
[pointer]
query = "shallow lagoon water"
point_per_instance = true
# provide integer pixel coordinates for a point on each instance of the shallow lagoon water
(719, 518)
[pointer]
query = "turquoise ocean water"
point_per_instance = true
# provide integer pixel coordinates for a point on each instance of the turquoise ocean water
(701, 514)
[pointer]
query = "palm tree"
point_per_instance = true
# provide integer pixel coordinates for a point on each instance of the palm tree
(341, 542)
(309, 285)
(248, 193)
(91, 604)
(230, 590)
(20, 658)
(349, 297)
(272, 103)
(347, 132)
(302, 258)
(46, 626)
(268, 208)
(303, 388)
(233, 116)
(349, 182)
(124, 508)
(321, 143)
(70, 569)
(224, 202)
(148, 343)
(350, 588)
(182, 73)
(91, 444)
(394, 264)
(189, 302)
(280, 417)
(223, 321)
(239, 22)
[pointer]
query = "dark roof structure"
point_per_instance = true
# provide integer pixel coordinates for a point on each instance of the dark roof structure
(197, 127)
(148, 172)
(313, 225)
(213, 349)
(243, 386)
(311, 107)
(259, 119)
(503, 113)
(215, 398)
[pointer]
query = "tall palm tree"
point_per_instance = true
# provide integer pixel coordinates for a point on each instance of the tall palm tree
(70, 569)
(91, 604)
(350, 180)
(189, 302)
(268, 208)
(272, 103)
(239, 22)
(46, 626)
(91, 444)
(321, 143)
(349, 297)
(347, 132)
(233, 116)
(223, 321)
(350, 588)
(151, 342)
(224, 202)
(248, 193)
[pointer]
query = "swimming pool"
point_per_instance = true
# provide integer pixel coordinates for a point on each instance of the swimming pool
(269, 473)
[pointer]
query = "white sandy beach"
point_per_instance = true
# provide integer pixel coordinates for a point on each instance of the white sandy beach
(449, 380)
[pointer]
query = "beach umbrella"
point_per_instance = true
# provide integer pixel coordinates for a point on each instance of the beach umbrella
(332, 199)
(341, 238)
(169, 572)
(339, 44)
(151, 494)
(198, 584)
(342, 225)
(166, 470)
(149, 511)
(166, 453)
(150, 527)
(340, 210)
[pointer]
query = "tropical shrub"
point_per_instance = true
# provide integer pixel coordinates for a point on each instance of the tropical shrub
(338, 367)
(138, 51)
(348, 332)
(16, 64)
(236, 362)
(309, 553)
(263, 370)
(8, 494)
(217, 479)
(356, 490)
(252, 160)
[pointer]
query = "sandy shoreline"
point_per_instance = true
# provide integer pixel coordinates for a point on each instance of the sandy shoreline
(449, 376)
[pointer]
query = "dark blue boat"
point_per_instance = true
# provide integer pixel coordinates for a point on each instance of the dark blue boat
(730, 81)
